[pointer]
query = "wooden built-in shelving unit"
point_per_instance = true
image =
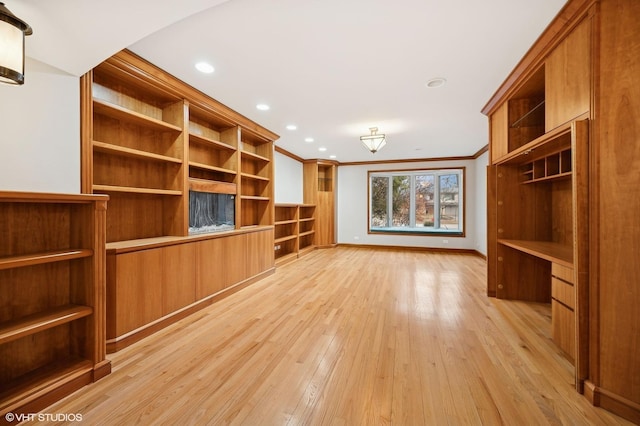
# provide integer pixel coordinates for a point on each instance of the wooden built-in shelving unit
(52, 297)
(294, 231)
(320, 178)
(562, 222)
(148, 140)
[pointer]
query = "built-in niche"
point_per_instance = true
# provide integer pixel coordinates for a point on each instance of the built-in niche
(211, 212)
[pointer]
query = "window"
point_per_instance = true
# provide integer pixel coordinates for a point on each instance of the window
(424, 201)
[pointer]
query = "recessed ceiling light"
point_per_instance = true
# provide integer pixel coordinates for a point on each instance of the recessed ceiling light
(435, 82)
(292, 127)
(263, 107)
(322, 149)
(308, 140)
(205, 67)
(333, 156)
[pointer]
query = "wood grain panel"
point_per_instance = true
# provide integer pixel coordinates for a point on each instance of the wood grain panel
(178, 277)
(617, 170)
(499, 133)
(563, 328)
(568, 77)
(210, 265)
(138, 298)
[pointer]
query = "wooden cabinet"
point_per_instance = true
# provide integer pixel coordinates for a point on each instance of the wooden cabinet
(568, 77)
(52, 297)
(319, 190)
(160, 281)
(294, 231)
(499, 133)
(285, 244)
(306, 228)
(563, 296)
(151, 142)
(562, 193)
(256, 155)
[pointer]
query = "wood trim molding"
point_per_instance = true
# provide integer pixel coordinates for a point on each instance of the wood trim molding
(409, 248)
(481, 151)
(86, 134)
(360, 163)
(623, 407)
(287, 153)
(410, 160)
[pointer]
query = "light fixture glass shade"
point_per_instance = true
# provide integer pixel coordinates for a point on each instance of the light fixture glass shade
(12, 33)
(374, 142)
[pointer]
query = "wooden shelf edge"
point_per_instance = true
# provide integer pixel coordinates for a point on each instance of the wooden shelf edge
(134, 153)
(285, 222)
(283, 239)
(40, 258)
(254, 197)
(37, 384)
(557, 176)
(255, 156)
(110, 109)
(136, 190)
(515, 155)
(212, 168)
(214, 142)
(46, 197)
(31, 324)
(254, 177)
(553, 252)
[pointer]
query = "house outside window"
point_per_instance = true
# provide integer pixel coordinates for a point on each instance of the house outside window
(428, 201)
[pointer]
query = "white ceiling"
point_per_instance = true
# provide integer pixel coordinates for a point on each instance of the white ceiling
(332, 67)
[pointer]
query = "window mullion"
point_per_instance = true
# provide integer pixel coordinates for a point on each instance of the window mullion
(412, 201)
(436, 202)
(390, 201)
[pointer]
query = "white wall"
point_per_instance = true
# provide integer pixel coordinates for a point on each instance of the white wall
(289, 180)
(352, 208)
(40, 132)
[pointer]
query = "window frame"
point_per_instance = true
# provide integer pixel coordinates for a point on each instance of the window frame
(418, 231)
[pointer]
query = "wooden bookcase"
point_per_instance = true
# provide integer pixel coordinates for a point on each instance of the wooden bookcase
(306, 228)
(538, 179)
(294, 231)
(256, 194)
(148, 141)
(52, 297)
(562, 193)
(319, 190)
(286, 233)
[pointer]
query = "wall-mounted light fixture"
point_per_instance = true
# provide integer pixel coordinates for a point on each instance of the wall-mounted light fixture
(373, 142)
(12, 33)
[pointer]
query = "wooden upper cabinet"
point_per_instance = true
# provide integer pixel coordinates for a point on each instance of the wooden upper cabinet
(499, 133)
(568, 77)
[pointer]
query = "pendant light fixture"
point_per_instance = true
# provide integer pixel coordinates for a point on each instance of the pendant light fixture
(373, 142)
(12, 33)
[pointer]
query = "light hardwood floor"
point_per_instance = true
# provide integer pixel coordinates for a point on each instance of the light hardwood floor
(348, 336)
